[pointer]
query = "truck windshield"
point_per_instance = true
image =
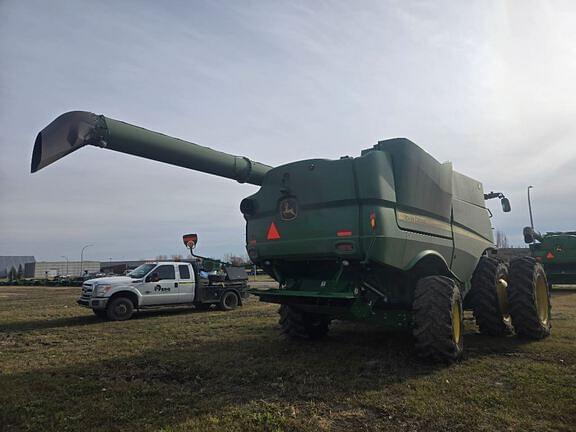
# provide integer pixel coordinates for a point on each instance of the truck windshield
(141, 271)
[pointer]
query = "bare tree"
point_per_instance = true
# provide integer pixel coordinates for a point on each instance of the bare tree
(176, 257)
(237, 260)
(501, 240)
(161, 257)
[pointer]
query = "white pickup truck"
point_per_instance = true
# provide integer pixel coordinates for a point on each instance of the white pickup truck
(163, 284)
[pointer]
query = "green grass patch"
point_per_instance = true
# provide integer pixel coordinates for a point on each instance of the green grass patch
(61, 368)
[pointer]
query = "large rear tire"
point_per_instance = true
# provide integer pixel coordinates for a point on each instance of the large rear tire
(529, 298)
(297, 324)
(438, 319)
(490, 297)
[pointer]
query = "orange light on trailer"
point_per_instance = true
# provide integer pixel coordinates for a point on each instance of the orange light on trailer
(373, 221)
(273, 233)
(252, 242)
(549, 256)
(344, 233)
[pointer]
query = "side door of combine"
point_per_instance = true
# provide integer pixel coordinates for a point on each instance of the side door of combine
(186, 283)
(160, 286)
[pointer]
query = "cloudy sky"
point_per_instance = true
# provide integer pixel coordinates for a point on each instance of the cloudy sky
(488, 85)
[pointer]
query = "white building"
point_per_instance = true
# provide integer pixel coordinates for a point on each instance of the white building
(43, 269)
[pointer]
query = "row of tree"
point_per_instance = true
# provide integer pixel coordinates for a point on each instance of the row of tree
(14, 274)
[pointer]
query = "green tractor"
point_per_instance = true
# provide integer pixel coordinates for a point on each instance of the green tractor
(557, 253)
(392, 237)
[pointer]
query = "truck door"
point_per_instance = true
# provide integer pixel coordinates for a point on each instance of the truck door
(161, 286)
(186, 284)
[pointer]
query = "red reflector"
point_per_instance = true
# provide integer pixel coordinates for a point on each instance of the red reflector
(273, 233)
(345, 247)
(344, 233)
(549, 255)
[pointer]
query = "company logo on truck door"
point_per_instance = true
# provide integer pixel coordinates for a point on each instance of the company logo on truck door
(288, 209)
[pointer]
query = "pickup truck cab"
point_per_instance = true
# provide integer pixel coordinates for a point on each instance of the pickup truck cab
(163, 284)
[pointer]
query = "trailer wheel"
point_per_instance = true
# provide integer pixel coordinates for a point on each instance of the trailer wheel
(438, 319)
(490, 297)
(529, 297)
(120, 309)
(229, 301)
(301, 325)
(100, 313)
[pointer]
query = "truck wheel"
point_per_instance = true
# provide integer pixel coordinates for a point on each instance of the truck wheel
(228, 301)
(438, 319)
(100, 313)
(301, 325)
(529, 298)
(490, 297)
(120, 309)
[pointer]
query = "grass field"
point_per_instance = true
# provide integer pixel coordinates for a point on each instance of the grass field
(63, 369)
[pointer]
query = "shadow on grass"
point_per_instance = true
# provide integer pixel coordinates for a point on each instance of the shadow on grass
(84, 320)
(166, 387)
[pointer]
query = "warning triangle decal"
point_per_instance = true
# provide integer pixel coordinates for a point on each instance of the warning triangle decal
(273, 233)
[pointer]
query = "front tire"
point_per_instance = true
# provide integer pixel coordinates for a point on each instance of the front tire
(297, 324)
(490, 297)
(529, 298)
(120, 309)
(438, 316)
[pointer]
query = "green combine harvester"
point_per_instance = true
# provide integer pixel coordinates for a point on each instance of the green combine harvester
(392, 237)
(557, 253)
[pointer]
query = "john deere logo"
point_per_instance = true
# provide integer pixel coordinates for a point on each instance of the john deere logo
(288, 209)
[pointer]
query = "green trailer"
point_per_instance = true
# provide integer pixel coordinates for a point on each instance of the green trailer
(557, 253)
(392, 236)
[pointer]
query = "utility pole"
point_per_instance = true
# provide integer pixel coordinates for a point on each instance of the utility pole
(82, 259)
(530, 208)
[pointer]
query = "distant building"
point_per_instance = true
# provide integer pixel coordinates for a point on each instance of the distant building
(47, 269)
(9, 262)
(120, 267)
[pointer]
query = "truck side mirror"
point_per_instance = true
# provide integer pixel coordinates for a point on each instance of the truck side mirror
(154, 277)
(505, 205)
(528, 235)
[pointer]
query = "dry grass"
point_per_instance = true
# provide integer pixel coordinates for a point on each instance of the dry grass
(62, 369)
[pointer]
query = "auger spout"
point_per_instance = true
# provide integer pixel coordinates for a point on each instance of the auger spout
(76, 129)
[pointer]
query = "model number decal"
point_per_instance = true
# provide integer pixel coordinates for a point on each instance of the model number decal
(160, 288)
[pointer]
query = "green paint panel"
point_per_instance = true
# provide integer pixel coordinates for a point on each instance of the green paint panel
(557, 252)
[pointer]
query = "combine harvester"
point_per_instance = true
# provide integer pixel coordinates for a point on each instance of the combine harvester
(392, 236)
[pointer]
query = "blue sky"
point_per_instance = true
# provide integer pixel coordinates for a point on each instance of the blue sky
(488, 85)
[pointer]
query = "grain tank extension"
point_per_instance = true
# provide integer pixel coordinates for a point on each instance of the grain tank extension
(392, 236)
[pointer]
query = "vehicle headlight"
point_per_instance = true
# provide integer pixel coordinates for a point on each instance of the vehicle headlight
(102, 289)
